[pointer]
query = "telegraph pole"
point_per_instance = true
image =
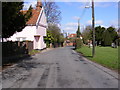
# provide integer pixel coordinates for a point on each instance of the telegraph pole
(93, 25)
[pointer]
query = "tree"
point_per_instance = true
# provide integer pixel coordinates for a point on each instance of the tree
(107, 38)
(113, 33)
(87, 34)
(99, 31)
(78, 30)
(52, 12)
(56, 34)
(48, 39)
(13, 20)
(79, 43)
(78, 40)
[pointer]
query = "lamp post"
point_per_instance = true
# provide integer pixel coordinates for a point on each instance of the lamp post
(93, 25)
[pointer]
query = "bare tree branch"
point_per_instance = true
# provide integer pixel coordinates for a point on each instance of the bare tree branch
(52, 12)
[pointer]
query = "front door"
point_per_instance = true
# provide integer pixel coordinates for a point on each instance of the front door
(36, 43)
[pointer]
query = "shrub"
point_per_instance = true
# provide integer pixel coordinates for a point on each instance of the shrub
(79, 43)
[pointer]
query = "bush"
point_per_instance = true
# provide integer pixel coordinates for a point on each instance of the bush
(12, 51)
(79, 43)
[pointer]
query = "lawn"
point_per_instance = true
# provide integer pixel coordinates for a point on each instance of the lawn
(105, 56)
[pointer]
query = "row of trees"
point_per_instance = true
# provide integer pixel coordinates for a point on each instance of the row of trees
(103, 36)
(54, 36)
(53, 14)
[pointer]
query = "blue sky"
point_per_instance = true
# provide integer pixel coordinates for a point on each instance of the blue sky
(106, 14)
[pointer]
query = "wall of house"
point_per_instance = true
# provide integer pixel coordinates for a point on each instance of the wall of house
(39, 44)
(43, 45)
(26, 34)
(41, 29)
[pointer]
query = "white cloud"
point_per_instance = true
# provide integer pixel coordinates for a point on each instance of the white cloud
(97, 22)
(114, 23)
(102, 4)
(72, 24)
(69, 29)
(76, 17)
(104, 26)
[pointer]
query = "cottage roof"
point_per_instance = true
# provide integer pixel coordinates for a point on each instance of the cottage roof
(35, 14)
(34, 18)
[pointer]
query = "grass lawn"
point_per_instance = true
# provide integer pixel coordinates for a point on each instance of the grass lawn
(105, 56)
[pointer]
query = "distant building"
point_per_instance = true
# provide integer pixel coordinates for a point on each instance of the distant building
(35, 29)
(72, 35)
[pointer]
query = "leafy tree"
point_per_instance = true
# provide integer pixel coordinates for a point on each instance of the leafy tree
(79, 43)
(87, 34)
(53, 15)
(113, 33)
(52, 12)
(55, 31)
(107, 38)
(56, 34)
(61, 38)
(99, 31)
(13, 20)
(48, 39)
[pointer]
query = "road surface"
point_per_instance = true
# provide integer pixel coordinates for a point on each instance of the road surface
(58, 68)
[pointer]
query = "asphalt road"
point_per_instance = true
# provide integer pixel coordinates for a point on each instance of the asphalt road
(58, 68)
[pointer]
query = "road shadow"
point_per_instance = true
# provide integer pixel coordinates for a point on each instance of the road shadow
(9, 61)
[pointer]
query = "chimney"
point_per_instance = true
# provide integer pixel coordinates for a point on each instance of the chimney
(39, 5)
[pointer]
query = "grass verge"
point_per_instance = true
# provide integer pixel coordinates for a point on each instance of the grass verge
(33, 52)
(105, 56)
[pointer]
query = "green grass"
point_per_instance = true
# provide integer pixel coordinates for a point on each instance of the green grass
(33, 52)
(105, 56)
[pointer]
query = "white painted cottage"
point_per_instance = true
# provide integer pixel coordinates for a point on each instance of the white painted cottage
(35, 29)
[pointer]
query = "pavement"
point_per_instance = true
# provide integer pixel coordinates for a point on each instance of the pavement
(58, 68)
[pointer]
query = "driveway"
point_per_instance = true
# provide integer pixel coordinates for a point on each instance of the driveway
(58, 68)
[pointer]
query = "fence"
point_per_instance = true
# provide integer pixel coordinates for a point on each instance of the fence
(12, 51)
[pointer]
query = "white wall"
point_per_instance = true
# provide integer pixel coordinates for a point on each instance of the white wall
(40, 44)
(42, 30)
(28, 33)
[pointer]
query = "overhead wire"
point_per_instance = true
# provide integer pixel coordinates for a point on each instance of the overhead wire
(84, 10)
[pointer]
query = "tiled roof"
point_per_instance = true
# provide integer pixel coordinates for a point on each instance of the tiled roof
(34, 17)
(72, 35)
